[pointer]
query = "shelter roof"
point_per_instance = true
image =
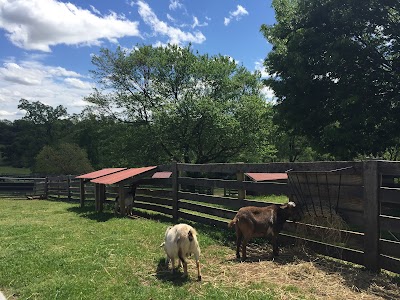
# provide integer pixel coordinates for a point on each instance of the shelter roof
(266, 176)
(99, 173)
(125, 174)
(162, 175)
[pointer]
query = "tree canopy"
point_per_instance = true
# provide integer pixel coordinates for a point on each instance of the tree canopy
(336, 72)
(195, 108)
(63, 159)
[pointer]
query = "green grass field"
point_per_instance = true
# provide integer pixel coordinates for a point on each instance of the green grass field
(14, 171)
(56, 250)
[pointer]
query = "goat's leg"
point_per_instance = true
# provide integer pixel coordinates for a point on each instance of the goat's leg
(184, 263)
(239, 237)
(198, 270)
(172, 265)
(244, 245)
(275, 250)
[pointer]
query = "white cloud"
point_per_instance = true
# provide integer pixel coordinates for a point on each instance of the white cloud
(259, 66)
(226, 21)
(174, 35)
(40, 24)
(174, 4)
(77, 83)
(237, 14)
(35, 81)
(196, 23)
(169, 17)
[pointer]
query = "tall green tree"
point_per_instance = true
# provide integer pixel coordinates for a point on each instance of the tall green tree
(195, 108)
(62, 159)
(336, 67)
(42, 125)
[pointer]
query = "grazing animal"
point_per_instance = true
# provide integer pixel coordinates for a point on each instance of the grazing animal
(181, 242)
(251, 221)
(129, 199)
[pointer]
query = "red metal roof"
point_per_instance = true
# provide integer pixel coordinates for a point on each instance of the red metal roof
(266, 176)
(162, 175)
(122, 175)
(99, 173)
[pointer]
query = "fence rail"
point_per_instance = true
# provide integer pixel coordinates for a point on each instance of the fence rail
(368, 196)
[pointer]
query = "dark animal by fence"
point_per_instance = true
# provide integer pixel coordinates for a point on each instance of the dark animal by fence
(251, 221)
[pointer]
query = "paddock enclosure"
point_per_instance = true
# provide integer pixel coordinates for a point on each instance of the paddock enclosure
(351, 209)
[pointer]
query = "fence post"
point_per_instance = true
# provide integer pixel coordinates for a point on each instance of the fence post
(82, 191)
(371, 215)
(46, 187)
(241, 191)
(175, 187)
(69, 187)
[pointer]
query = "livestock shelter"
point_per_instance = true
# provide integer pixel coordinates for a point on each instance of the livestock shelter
(84, 178)
(128, 176)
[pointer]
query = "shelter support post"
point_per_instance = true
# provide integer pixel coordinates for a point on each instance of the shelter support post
(121, 199)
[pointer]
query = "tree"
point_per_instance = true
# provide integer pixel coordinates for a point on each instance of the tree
(63, 159)
(195, 108)
(42, 125)
(336, 70)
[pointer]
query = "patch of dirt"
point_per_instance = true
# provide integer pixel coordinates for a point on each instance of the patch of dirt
(312, 275)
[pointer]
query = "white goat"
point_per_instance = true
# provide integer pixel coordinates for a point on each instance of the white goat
(129, 198)
(181, 242)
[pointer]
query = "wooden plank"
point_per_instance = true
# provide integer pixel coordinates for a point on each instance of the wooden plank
(371, 215)
(157, 208)
(389, 263)
(203, 220)
(389, 167)
(154, 193)
(221, 183)
(209, 199)
(389, 248)
(389, 195)
(353, 240)
(217, 212)
(351, 255)
(271, 167)
(154, 200)
(389, 223)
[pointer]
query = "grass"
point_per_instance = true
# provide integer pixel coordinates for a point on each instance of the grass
(56, 250)
(14, 171)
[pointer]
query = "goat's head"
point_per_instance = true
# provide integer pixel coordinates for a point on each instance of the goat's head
(292, 211)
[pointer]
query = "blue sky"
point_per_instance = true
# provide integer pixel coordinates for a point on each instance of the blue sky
(46, 45)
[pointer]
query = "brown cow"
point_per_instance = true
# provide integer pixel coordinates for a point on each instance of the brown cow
(252, 221)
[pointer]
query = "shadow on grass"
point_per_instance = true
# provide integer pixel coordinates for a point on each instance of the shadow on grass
(163, 273)
(89, 212)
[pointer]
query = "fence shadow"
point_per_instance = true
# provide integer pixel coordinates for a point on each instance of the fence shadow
(90, 213)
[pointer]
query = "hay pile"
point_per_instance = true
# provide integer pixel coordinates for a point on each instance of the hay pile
(329, 227)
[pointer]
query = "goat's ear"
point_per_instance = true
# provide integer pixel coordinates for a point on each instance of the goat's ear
(284, 206)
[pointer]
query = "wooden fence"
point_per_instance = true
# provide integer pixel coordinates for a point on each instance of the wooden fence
(366, 195)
